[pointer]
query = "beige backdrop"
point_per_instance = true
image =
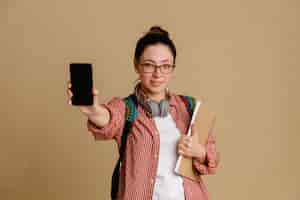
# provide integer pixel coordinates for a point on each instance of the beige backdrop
(243, 56)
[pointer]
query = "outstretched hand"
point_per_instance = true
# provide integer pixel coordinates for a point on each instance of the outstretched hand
(89, 111)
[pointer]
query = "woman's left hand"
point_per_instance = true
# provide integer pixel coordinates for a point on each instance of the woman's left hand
(189, 148)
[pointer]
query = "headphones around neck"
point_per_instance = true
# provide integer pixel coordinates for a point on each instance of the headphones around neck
(159, 109)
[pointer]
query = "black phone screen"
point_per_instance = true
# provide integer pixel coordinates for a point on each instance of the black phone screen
(82, 83)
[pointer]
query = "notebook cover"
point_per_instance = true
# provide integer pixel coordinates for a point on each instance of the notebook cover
(204, 121)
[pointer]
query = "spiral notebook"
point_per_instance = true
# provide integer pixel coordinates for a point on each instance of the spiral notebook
(204, 121)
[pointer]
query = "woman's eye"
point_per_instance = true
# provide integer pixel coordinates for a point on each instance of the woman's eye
(166, 66)
(147, 65)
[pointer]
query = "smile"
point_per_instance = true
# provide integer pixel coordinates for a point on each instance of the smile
(156, 83)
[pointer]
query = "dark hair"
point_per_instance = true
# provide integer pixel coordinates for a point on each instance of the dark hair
(155, 35)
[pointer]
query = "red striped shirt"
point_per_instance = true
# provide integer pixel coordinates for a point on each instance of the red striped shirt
(138, 170)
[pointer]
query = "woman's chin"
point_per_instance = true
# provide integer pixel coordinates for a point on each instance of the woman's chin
(155, 88)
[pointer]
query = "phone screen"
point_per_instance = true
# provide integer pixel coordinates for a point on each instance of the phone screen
(82, 83)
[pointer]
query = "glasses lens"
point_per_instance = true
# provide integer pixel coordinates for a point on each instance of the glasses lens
(147, 67)
(166, 68)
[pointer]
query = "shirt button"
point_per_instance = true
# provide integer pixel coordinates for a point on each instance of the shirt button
(152, 180)
(155, 156)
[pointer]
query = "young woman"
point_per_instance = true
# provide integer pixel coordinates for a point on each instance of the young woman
(158, 134)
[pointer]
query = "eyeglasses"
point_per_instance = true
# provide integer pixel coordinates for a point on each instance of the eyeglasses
(150, 68)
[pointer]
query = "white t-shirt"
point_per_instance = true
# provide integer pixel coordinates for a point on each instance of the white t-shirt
(168, 185)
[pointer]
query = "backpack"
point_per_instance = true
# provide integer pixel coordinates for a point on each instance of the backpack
(130, 115)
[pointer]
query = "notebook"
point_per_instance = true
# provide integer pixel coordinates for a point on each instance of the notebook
(204, 121)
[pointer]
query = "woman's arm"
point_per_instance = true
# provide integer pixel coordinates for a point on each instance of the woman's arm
(110, 124)
(105, 121)
(101, 118)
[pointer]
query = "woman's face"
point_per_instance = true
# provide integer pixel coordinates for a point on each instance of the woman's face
(155, 82)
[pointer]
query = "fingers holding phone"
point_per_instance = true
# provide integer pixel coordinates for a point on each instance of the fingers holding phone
(82, 94)
(69, 93)
(87, 110)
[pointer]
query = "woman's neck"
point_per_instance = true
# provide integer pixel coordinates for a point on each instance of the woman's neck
(157, 97)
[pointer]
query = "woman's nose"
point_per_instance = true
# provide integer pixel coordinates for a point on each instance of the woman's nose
(157, 72)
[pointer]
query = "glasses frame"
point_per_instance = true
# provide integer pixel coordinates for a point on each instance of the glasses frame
(155, 66)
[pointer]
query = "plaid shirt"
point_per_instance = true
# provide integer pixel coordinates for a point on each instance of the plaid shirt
(139, 168)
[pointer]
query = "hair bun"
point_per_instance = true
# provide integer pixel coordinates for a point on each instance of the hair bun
(158, 30)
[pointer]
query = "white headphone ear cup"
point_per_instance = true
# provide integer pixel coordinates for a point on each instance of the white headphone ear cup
(160, 109)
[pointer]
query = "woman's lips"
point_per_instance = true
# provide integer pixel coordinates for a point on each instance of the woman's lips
(156, 83)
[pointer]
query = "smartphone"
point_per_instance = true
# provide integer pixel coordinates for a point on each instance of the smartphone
(81, 77)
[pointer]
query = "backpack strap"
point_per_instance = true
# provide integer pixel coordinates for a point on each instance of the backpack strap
(190, 103)
(130, 116)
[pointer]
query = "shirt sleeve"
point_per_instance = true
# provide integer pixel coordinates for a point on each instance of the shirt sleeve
(114, 128)
(212, 159)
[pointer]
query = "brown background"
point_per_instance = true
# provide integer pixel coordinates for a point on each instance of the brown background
(242, 56)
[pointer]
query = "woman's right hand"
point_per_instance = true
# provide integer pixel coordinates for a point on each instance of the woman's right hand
(98, 114)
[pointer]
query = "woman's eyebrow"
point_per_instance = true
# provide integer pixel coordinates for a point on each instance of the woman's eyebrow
(161, 61)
